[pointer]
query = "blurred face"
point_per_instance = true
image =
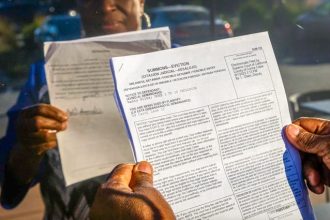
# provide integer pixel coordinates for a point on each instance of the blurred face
(110, 16)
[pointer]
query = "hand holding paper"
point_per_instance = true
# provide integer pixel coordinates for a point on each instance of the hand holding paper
(129, 194)
(312, 137)
(36, 133)
(37, 125)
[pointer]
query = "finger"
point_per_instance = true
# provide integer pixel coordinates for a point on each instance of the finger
(319, 189)
(326, 159)
(312, 175)
(47, 111)
(41, 123)
(314, 125)
(325, 174)
(306, 141)
(120, 177)
(39, 137)
(142, 176)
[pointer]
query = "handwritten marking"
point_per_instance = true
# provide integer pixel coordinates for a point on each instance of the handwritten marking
(121, 67)
(75, 111)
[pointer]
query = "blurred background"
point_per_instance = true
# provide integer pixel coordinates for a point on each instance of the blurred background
(299, 31)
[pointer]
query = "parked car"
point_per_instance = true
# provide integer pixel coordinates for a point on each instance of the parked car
(189, 24)
(58, 28)
(312, 35)
(315, 24)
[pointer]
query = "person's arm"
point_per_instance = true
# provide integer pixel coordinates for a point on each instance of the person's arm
(311, 136)
(36, 129)
(25, 142)
(11, 191)
(129, 194)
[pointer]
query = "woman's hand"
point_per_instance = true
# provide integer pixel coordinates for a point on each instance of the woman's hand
(36, 133)
(37, 127)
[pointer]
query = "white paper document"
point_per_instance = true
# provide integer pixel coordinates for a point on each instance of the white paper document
(80, 82)
(208, 117)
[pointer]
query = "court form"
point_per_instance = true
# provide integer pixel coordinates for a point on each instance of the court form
(80, 82)
(208, 117)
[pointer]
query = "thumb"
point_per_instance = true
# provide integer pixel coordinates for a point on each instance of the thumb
(142, 176)
(306, 141)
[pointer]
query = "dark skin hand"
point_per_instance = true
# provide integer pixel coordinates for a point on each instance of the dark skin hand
(312, 137)
(129, 194)
(36, 133)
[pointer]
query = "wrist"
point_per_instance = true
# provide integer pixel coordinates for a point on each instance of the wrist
(23, 164)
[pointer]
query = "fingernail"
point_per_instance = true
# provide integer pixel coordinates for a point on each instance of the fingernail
(144, 167)
(64, 125)
(63, 116)
(293, 130)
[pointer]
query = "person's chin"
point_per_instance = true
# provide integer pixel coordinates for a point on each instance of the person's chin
(113, 28)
